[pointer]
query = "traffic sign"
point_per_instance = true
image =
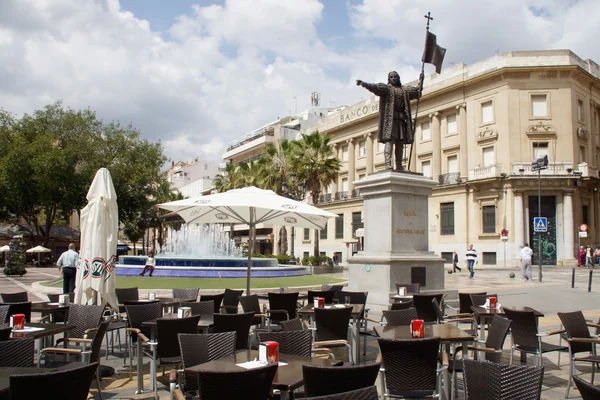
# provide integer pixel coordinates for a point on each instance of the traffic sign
(583, 234)
(583, 228)
(540, 224)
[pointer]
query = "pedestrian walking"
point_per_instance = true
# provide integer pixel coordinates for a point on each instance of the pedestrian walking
(588, 257)
(149, 264)
(471, 257)
(581, 257)
(597, 254)
(67, 264)
(526, 254)
(455, 263)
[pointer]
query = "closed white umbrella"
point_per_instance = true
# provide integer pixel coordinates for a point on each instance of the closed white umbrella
(96, 280)
(249, 206)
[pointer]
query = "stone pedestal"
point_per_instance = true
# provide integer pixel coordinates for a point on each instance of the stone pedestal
(396, 247)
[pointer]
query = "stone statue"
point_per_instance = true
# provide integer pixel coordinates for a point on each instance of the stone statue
(395, 118)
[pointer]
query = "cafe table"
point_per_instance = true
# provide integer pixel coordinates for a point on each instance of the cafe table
(289, 373)
(6, 372)
(41, 331)
(49, 308)
(301, 295)
(308, 311)
(401, 298)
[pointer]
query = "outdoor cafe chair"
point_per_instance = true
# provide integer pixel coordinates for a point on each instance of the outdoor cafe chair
(250, 304)
(90, 355)
(525, 336)
(238, 323)
(399, 317)
(198, 349)
(249, 384)
(231, 301)
(326, 295)
(204, 308)
(587, 390)
(5, 333)
(217, 298)
(84, 317)
(491, 381)
(332, 325)
(4, 308)
(282, 306)
(411, 367)
(320, 381)
(363, 319)
(136, 316)
(58, 316)
(290, 342)
(426, 310)
(334, 288)
(65, 384)
(126, 294)
(187, 295)
(402, 305)
(579, 340)
(464, 304)
(20, 308)
(368, 393)
(19, 297)
(296, 324)
(17, 352)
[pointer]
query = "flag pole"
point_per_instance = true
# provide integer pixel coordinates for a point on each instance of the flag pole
(414, 127)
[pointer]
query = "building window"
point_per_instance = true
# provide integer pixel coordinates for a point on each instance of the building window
(345, 153)
(451, 124)
(323, 232)
(360, 176)
(539, 105)
(489, 219)
(581, 154)
(489, 258)
(585, 214)
(425, 131)
(580, 113)
(356, 222)
(487, 112)
(362, 148)
(447, 256)
(489, 158)
(306, 234)
(426, 168)
(305, 254)
(344, 184)
(452, 164)
(339, 226)
(597, 121)
(540, 149)
(447, 218)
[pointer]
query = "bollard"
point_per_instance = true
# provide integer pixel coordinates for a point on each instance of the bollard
(573, 279)
(590, 280)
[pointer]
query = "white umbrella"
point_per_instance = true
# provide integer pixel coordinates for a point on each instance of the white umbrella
(96, 279)
(38, 249)
(4, 248)
(249, 206)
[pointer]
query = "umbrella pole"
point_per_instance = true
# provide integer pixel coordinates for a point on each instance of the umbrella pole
(251, 233)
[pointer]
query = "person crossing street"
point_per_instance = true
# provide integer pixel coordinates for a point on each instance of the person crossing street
(471, 257)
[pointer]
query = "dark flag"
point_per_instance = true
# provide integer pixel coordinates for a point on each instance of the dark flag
(433, 54)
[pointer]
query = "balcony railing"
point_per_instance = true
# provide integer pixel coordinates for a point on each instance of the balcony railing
(554, 168)
(449, 178)
(490, 171)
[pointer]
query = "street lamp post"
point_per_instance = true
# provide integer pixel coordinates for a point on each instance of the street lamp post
(295, 192)
(538, 165)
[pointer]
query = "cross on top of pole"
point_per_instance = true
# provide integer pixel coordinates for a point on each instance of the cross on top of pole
(429, 18)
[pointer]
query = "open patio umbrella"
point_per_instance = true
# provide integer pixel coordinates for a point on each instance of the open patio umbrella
(249, 206)
(38, 250)
(96, 280)
(4, 248)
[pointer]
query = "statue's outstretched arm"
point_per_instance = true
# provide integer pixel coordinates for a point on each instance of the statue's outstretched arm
(379, 89)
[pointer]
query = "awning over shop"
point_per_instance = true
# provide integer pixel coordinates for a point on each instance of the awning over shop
(123, 247)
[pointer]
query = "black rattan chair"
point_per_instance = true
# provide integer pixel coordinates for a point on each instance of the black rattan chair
(295, 324)
(368, 393)
(320, 381)
(19, 297)
(128, 294)
(251, 384)
(491, 381)
(579, 340)
(250, 304)
(525, 337)
(238, 323)
(136, 315)
(426, 310)
(282, 306)
(332, 328)
(464, 304)
(4, 308)
(402, 305)
(217, 298)
(17, 353)
(66, 384)
(587, 390)
(5, 333)
(188, 295)
(231, 300)
(198, 349)
(327, 295)
(411, 367)
(20, 308)
(84, 317)
(400, 317)
(205, 308)
(58, 316)
(290, 342)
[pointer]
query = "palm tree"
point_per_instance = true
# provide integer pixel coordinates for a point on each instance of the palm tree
(316, 165)
(251, 173)
(229, 179)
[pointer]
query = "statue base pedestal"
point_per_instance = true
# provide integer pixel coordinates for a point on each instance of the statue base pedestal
(396, 247)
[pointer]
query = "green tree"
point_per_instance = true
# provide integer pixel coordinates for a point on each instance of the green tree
(230, 178)
(316, 166)
(277, 165)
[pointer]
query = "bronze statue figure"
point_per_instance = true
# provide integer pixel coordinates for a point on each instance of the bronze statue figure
(395, 118)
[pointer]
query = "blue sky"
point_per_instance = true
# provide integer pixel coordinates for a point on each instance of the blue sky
(197, 74)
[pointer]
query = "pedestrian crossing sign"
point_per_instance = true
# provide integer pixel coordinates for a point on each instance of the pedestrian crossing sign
(540, 224)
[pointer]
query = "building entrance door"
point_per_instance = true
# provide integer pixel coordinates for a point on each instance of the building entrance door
(548, 238)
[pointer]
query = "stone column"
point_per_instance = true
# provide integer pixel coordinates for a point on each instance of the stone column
(369, 140)
(351, 163)
(569, 227)
(519, 221)
(436, 138)
(461, 109)
(334, 183)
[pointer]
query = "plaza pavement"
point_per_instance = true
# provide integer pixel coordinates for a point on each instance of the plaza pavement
(553, 295)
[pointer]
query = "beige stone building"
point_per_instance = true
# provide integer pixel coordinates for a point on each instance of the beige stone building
(479, 128)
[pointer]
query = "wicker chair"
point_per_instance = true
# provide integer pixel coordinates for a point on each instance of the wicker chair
(66, 384)
(4, 308)
(525, 336)
(136, 315)
(363, 319)
(20, 308)
(206, 308)
(217, 298)
(238, 323)
(327, 295)
(295, 324)
(332, 328)
(411, 367)
(251, 384)
(17, 353)
(368, 393)
(58, 316)
(491, 381)
(250, 304)
(402, 305)
(19, 297)
(84, 317)
(411, 288)
(400, 317)
(198, 349)
(320, 381)
(5, 333)
(334, 288)
(231, 301)
(282, 306)
(426, 310)
(587, 390)
(126, 294)
(290, 342)
(189, 295)
(579, 340)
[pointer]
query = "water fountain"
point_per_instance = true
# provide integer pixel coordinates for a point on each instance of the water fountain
(204, 251)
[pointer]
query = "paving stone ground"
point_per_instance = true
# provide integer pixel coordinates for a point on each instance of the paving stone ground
(553, 295)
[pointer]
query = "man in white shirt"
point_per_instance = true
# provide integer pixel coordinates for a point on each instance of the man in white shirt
(67, 264)
(471, 257)
(526, 254)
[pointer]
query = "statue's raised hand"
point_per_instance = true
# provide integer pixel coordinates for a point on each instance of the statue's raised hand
(359, 82)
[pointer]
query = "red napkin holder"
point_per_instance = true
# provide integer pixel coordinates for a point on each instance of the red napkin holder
(417, 328)
(493, 302)
(321, 302)
(17, 321)
(272, 350)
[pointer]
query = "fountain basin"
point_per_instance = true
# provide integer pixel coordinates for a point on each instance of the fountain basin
(201, 267)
